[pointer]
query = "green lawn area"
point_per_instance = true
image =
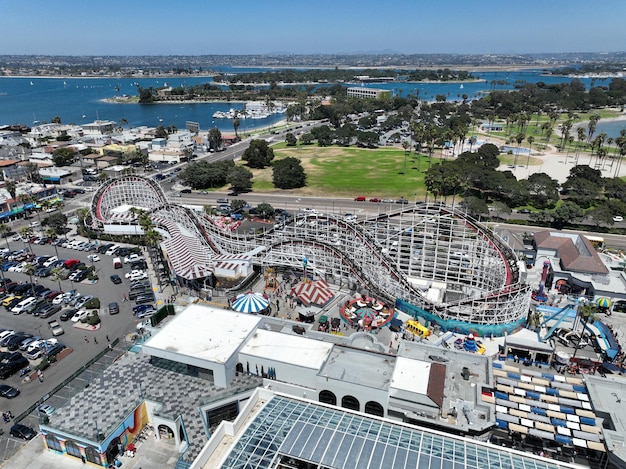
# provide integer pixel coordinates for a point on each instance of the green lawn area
(349, 172)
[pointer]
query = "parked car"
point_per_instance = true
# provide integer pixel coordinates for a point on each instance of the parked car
(104, 248)
(22, 431)
(53, 294)
(49, 311)
(50, 261)
(80, 315)
(360, 198)
(136, 275)
(54, 350)
(140, 308)
(132, 258)
(14, 342)
(145, 298)
(134, 294)
(22, 305)
(93, 257)
(80, 302)
(67, 314)
(46, 409)
(375, 199)
(12, 367)
(8, 391)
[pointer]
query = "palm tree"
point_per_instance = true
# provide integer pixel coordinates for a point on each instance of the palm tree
(152, 237)
(11, 187)
(530, 139)
(581, 135)
(29, 269)
(57, 274)
(50, 233)
(25, 233)
(405, 145)
(519, 138)
(236, 124)
(4, 230)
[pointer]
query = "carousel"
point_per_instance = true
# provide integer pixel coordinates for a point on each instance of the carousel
(366, 312)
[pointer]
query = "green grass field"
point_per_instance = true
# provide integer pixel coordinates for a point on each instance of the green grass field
(349, 172)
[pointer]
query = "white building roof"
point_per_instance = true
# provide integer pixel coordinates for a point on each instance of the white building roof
(285, 348)
(204, 333)
(410, 375)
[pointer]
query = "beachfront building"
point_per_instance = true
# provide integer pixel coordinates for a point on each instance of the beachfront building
(203, 364)
(371, 93)
(99, 128)
(277, 430)
(54, 175)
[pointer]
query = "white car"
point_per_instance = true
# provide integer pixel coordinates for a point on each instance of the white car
(50, 261)
(41, 343)
(93, 257)
(59, 299)
(46, 409)
(21, 306)
(133, 258)
(618, 218)
(136, 275)
(79, 315)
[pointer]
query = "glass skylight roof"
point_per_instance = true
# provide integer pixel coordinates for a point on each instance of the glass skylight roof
(332, 438)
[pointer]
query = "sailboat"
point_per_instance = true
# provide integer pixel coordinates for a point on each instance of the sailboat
(31, 83)
(461, 86)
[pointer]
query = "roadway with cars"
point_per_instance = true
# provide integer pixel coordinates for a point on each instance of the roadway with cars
(115, 327)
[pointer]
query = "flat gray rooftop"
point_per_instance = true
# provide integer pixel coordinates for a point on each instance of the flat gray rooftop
(359, 367)
(111, 397)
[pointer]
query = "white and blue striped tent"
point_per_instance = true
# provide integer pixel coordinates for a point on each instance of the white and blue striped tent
(250, 302)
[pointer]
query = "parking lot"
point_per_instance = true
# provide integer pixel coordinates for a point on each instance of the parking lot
(86, 344)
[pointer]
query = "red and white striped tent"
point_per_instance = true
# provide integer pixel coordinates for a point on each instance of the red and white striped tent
(312, 292)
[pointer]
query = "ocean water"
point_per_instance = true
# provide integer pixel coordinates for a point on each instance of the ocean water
(611, 128)
(80, 100)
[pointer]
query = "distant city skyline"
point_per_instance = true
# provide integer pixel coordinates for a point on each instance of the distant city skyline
(158, 27)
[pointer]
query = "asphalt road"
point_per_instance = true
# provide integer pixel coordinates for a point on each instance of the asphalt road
(116, 326)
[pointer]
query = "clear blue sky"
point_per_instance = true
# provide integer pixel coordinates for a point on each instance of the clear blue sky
(194, 27)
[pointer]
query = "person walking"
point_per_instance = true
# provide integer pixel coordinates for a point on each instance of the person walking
(86, 339)
(95, 340)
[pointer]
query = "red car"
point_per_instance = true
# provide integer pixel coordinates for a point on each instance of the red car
(360, 198)
(375, 199)
(53, 294)
(68, 264)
